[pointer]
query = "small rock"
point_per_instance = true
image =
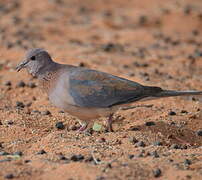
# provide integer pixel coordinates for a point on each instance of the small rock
(77, 157)
(73, 127)
(9, 176)
(62, 157)
(27, 161)
(154, 154)
(31, 85)
(131, 156)
(157, 172)
(10, 122)
(7, 83)
(199, 132)
(157, 143)
(133, 140)
(42, 152)
(21, 84)
(140, 144)
(172, 113)
(184, 112)
(3, 153)
(134, 129)
(59, 125)
(187, 162)
(45, 112)
(175, 146)
(19, 104)
(150, 123)
(19, 153)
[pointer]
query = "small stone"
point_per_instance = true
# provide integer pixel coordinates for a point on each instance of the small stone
(142, 20)
(131, 156)
(31, 85)
(133, 140)
(140, 144)
(134, 129)
(10, 122)
(187, 162)
(62, 157)
(73, 127)
(59, 125)
(77, 157)
(157, 143)
(7, 83)
(19, 104)
(199, 132)
(184, 112)
(19, 153)
(175, 146)
(45, 112)
(21, 84)
(42, 152)
(154, 154)
(3, 153)
(172, 113)
(9, 176)
(150, 123)
(157, 172)
(27, 161)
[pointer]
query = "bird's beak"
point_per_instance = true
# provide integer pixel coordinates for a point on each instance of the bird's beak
(21, 65)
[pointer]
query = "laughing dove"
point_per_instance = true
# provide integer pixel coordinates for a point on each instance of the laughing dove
(85, 93)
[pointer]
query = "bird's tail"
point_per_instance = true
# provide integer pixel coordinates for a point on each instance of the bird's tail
(168, 93)
(156, 92)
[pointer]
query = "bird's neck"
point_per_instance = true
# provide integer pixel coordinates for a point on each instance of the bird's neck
(47, 70)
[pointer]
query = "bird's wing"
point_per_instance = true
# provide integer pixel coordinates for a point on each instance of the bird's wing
(90, 88)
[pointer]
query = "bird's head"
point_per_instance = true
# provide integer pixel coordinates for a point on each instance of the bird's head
(35, 60)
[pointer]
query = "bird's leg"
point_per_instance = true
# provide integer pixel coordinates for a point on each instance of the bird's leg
(109, 122)
(83, 127)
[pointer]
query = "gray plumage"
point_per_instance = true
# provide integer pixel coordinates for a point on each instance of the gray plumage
(88, 93)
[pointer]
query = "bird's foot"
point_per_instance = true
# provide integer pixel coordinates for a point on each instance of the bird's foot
(109, 123)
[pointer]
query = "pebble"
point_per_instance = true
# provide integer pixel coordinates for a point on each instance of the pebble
(27, 161)
(140, 144)
(172, 113)
(157, 172)
(187, 162)
(199, 132)
(31, 85)
(19, 153)
(3, 153)
(7, 83)
(150, 123)
(154, 154)
(9, 176)
(45, 112)
(157, 143)
(131, 156)
(19, 104)
(59, 125)
(21, 84)
(77, 157)
(133, 140)
(175, 146)
(42, 152)
(10, 122)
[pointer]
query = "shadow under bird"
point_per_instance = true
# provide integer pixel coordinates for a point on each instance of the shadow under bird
(85, 93)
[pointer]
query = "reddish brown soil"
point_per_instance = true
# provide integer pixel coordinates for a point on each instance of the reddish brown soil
(153, 42)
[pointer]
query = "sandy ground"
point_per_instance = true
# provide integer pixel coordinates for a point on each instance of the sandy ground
(153, 42)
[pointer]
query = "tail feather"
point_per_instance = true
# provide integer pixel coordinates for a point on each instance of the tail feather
(170, 93)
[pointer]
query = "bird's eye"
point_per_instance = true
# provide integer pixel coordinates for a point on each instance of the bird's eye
(33, 58)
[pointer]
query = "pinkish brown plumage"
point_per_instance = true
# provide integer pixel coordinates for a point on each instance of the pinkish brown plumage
(85, 93)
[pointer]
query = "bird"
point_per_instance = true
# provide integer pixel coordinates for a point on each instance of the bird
(86, 93)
